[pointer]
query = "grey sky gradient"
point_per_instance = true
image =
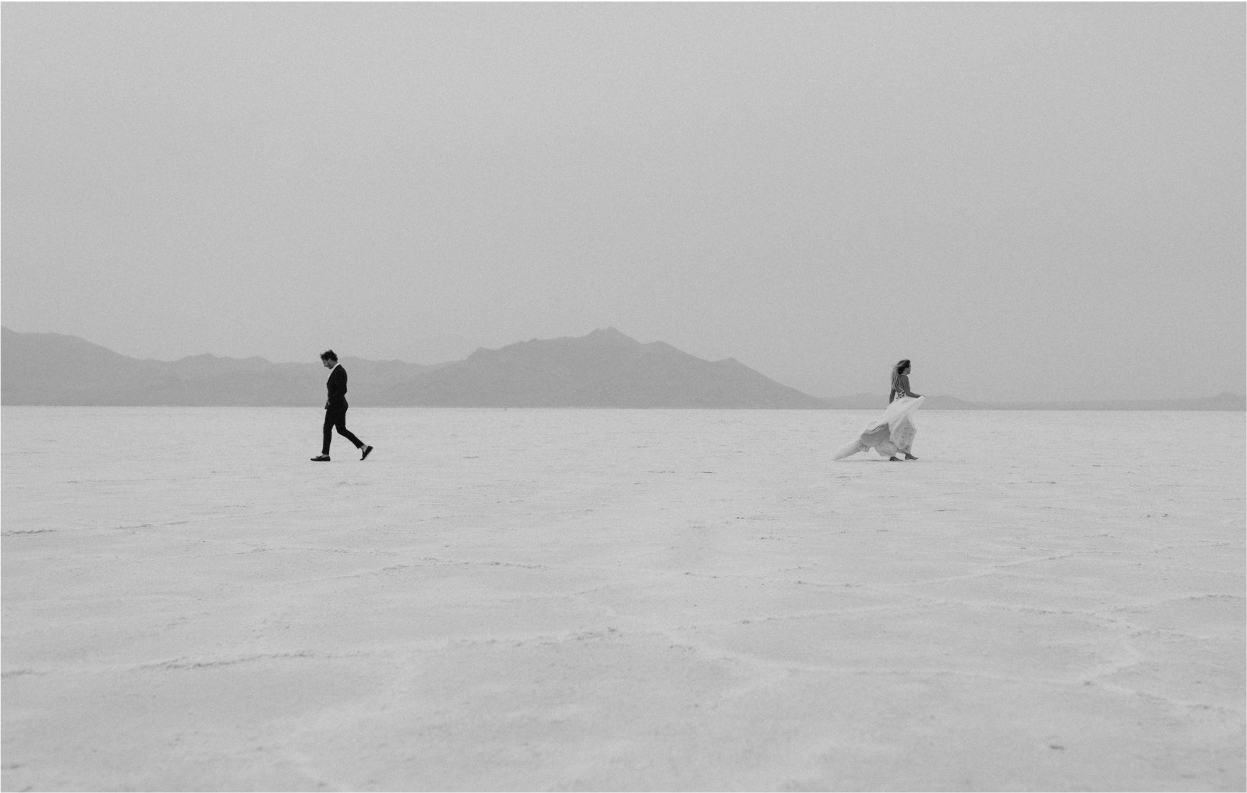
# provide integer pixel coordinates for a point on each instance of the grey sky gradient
(1031, 201)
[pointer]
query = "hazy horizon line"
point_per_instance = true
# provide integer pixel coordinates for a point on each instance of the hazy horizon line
(1003, 404)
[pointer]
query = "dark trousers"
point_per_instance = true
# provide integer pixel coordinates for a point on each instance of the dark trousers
(336, 419)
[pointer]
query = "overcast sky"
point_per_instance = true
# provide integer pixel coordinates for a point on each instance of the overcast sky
(1030, 201)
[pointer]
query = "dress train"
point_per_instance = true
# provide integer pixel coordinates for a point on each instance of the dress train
(892, 432)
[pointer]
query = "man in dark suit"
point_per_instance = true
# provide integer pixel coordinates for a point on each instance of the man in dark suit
(335, 408)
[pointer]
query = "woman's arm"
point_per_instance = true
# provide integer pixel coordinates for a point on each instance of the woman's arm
(902, 384)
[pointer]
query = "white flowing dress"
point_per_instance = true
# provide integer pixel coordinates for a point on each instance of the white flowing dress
(892, 432)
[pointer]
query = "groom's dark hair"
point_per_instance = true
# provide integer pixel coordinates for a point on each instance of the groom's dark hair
(329, 355)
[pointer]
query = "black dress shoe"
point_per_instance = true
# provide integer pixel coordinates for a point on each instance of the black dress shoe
(324, 458)
(367, 451)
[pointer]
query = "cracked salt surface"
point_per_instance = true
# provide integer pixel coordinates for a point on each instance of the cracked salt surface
(566, 599)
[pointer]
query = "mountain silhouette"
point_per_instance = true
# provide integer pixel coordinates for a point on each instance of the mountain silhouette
(603, 369)
(55, 369)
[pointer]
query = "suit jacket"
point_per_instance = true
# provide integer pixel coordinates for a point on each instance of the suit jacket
(336, 385)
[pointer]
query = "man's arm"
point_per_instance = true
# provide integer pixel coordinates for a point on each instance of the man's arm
(336, 386)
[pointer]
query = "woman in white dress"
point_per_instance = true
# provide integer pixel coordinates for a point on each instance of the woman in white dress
(893, 432)
(904, 432)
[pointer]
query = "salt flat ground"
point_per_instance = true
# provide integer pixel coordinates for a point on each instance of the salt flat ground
(630, 600)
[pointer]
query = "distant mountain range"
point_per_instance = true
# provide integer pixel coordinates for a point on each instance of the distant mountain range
(52, 369)
(604, 369)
